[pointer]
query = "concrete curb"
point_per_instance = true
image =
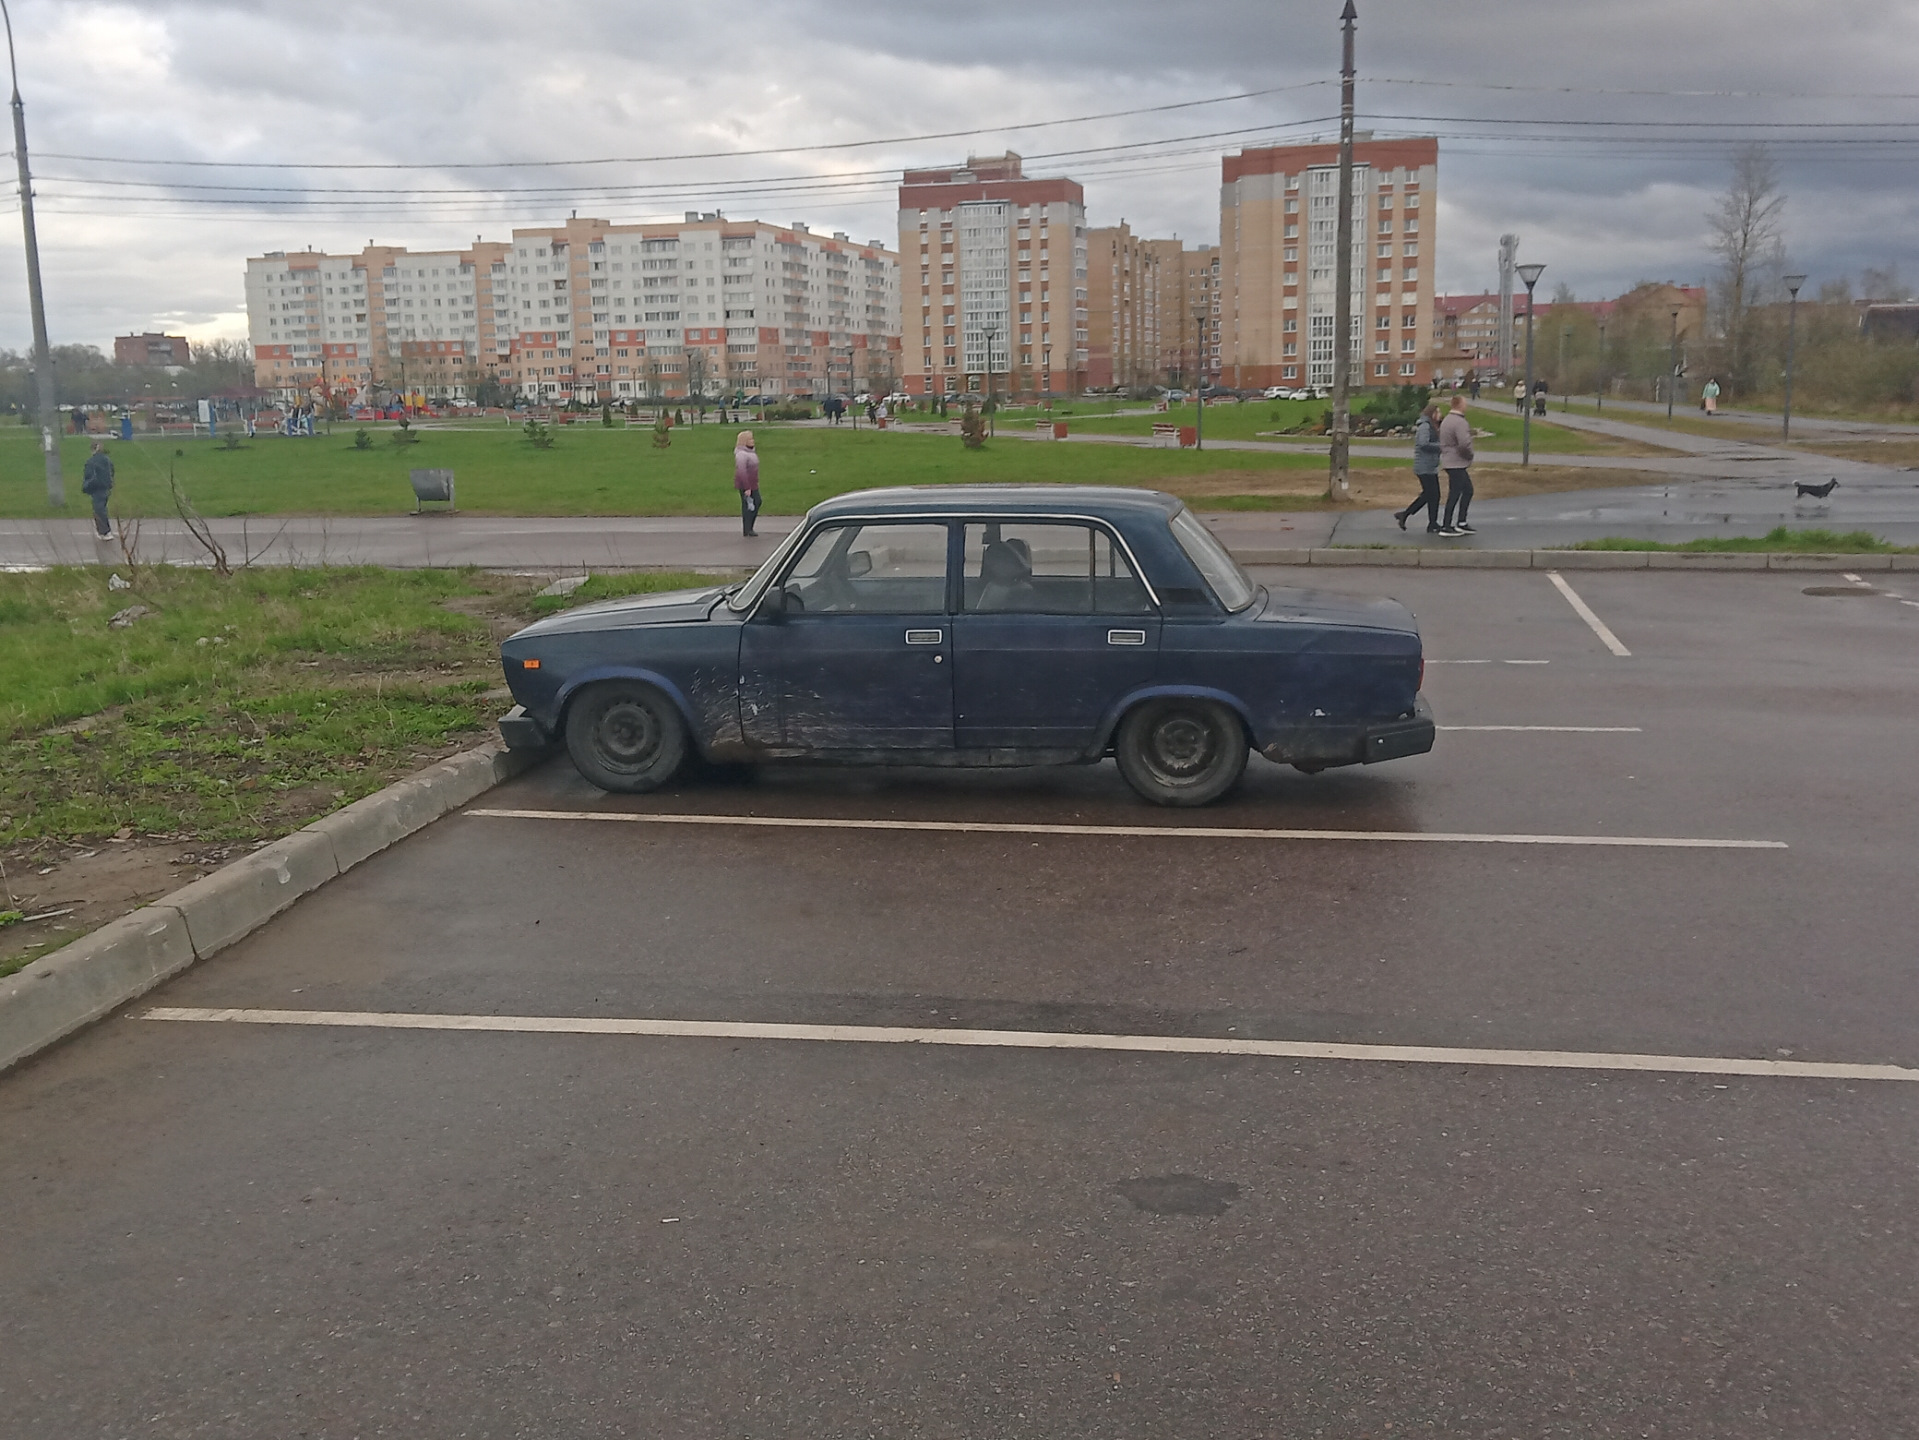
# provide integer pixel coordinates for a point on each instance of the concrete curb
(1400, 555)
(122, 960)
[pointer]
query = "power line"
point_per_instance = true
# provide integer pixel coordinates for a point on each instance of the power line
(702, 154)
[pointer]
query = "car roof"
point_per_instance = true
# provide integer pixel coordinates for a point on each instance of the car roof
(1108, 501)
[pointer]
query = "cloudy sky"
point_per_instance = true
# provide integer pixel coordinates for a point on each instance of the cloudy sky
(1599, 132)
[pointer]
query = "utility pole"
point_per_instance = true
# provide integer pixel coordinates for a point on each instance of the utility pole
(42, 352)
(1672, 367)
(1337, 483)
(1793, 284)
(1199, 393)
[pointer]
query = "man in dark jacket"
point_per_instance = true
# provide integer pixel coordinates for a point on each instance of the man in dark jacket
(97, 482)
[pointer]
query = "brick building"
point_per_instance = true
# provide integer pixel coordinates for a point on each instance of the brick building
(587, 311)
(151, 349)
(995, 272)
(1279, 201)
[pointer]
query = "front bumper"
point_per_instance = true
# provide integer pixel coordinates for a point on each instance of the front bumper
(1320, 747)
(522, 732)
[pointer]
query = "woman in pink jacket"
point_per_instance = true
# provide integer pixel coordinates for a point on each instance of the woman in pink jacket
(746, 480)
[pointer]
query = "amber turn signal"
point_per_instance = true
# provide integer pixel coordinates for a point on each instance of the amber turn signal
(529, 664)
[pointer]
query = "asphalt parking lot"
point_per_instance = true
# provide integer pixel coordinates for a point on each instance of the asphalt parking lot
(218, 1225)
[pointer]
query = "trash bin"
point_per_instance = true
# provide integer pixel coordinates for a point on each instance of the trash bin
(432, 487)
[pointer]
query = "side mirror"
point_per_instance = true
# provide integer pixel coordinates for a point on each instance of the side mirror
(859, 563)
(773, 602)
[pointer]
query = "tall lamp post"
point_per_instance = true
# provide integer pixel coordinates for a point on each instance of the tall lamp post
(1530, 274)
(42, 352)
(992, 386)
(1672, 364)
(1793, 282)
(1046, 369)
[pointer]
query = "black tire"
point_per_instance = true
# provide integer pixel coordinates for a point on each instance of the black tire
(1181, 752)
(625, 736)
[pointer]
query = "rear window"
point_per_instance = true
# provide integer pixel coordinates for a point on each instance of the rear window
(1230, 583)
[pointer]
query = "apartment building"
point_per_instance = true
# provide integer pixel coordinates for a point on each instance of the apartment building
(1278, 201)
(1002, 280)
(587, 311)
(1202, 322)
(418, 321)
(710, 306)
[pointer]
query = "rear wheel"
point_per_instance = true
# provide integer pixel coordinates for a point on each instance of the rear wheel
(1181, 752)
(625, 736)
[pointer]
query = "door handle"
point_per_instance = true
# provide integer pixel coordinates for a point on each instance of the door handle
(929, 637)
(1125, 637)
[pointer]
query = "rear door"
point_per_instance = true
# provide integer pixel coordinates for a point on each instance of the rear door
(1054, 628)
(861, 658)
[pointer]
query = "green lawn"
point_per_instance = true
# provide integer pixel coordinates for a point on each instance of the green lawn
(592, 471)
(1261, 419)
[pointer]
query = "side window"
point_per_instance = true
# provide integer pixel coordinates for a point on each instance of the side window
(870, 570)
(1048, 568)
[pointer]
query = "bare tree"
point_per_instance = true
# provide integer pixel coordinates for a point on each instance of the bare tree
(1746, 236)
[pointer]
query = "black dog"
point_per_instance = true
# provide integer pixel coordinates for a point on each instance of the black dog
(1800, 490)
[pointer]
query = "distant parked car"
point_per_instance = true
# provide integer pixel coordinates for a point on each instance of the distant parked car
(975, 626)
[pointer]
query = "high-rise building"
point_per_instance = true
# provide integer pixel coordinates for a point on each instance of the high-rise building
(1001, 288)
(1278, 201)
(1173, 339)
(586, 311)
(1202, 322)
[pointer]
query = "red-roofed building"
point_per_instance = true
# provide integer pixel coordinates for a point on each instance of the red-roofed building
(1279, 244)
(993, 280)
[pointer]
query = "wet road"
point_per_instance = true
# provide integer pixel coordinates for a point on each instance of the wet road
(228, 1228)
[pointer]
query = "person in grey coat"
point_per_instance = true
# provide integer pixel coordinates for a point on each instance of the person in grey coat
(96, 482)
(1456, 455)
(1425, 470)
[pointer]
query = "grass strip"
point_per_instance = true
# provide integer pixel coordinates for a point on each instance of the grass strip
(1777, 541)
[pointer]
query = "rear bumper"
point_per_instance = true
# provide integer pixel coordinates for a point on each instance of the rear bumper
(522, 732)
(1320, 747)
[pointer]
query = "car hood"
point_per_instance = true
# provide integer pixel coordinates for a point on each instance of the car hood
(1295, 605)
(669, 607)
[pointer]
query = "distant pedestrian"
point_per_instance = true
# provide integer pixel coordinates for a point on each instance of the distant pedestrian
(1539, 397)
(96, 482)
(1709, 397)
(1456, 456)
(1519, 397)
(746, 480)
(1474, 388)
(1425, 470)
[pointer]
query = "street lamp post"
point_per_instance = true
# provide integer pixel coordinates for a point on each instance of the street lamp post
(42, 352)
(1793, 282)
(992, 387)
(1530, 274)
(1672, 364)
(1046, 377)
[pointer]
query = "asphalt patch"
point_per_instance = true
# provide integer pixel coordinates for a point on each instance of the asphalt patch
(1178, 1194)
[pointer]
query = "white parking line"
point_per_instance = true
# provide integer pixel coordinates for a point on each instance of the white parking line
(1043, 1040)
(1175, 832)
(1556, 729)
(1489, 662)
(1610, 640)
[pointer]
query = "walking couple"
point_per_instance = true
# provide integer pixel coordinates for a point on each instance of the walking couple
(1442, 444)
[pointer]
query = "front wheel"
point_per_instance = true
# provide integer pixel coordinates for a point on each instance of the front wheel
(1181, 752)
(625, 736)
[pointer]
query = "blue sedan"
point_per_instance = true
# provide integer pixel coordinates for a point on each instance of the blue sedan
(979, 625)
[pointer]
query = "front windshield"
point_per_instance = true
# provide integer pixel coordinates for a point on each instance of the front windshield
(1230, 583)
(745, 597)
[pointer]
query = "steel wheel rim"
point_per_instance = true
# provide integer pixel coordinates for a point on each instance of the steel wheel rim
(1182, 748)
(628, 735)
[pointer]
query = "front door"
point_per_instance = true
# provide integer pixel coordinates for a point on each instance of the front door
(861, 656)
(1054, 629)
